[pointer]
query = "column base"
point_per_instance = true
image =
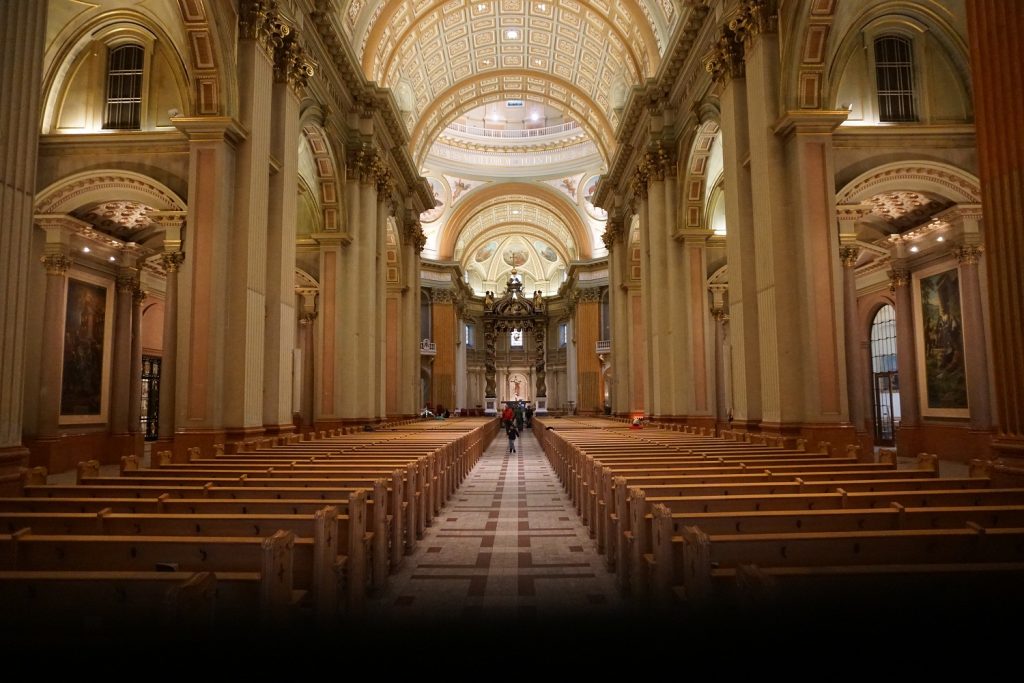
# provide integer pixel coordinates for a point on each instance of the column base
(242, 433)
(278, 430)
(12, 460)
(490, 406)
(542, 406)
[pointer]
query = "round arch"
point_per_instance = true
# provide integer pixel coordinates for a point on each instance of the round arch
(329, 195)
(695, 184)
(74, 191)
(926, 176)
(488, 194)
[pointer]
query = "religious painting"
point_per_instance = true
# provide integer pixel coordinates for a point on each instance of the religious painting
(440, 201)
(587, 191)
(515, 255)
(545, 250)
(942, 370)
(87, 341)
(485, 252)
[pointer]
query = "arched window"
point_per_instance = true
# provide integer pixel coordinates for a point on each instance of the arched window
(894, 78)
(124, 88)
(885, 380)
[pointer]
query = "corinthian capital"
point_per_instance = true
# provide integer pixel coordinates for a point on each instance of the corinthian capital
(172, 261)
(968, 254)
(56, 264)
(898, 277)
(291, 63)
(849, 254)
(726, 59)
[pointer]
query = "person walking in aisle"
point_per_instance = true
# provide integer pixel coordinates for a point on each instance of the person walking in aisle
(512, 434)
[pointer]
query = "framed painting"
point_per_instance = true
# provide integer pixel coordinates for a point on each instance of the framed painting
(88, 332)
(939, 337)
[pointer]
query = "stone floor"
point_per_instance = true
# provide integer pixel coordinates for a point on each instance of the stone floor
(508, 545)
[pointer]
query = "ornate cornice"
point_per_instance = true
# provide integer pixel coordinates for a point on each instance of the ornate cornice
(968, 254)
(755, 17)
(56, 264)
(849, 254)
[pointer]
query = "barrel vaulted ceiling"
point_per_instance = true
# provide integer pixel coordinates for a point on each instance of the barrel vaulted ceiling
(443, 58)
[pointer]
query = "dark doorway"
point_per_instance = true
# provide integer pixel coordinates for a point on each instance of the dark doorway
(151, 397)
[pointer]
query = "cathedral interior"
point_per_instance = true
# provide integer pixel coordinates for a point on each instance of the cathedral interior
(794, 224)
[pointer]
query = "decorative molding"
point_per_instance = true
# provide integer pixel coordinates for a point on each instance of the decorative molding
(725, 62)
(590, 294)
(292, 64)
(441, 295)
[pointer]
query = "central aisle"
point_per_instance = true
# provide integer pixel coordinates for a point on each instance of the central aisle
(508, 545)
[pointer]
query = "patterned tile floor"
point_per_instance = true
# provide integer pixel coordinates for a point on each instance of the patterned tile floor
(509, 545)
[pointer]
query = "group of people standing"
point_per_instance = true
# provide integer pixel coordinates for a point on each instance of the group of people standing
(513, 418)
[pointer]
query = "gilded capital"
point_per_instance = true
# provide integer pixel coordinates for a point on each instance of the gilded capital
(292, 64)
(755, 17)
(849, 255)
(126, 284)
(56, 264)
(720, 313)
(307, 318)
(138, 294)
(898, 277)
(172, 261)
(590, 294)
(726, 59)
(968, 254)
(258, 20)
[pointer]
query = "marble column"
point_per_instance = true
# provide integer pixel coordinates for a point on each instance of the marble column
(22, 42)
(727, 69)
(721, 316)
(135, 386)
(307, 343)
(246, 311)
(412, 244)
(366, 300)
(57, 264)
(203, 341)
(651, 382)
(291, 69)
(614, 240)
(169, 360)
(380, 316)
(906, 355)
(975, 343)
(657, 294)
(677, 332)
(855, 372)
(121, 362)
(347, 279)
(335, 369)
(995, 28)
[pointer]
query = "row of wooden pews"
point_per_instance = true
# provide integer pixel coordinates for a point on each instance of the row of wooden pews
(272, 529)
(685, 518)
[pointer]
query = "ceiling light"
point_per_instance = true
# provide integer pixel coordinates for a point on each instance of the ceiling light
(86, 250)
(534, 116)
(515, 212)
(512, 34)
(940, 238)
(914, 249)
(542, 7)
(113, 258)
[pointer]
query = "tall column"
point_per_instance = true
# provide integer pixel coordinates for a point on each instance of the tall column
(658, 296)
(202, 285)
(169, 360)
(291, 69)
(855, 372)
(380, 311)
(572, 372)
(994, 28)
(677, 332)
(975, 344)
(365, 295)
(910, 410)
(644, 334)
(135, 386)
(727, 68)
(588, 365)
(461, 374)
(22, 41)
(335, 371)
(345, 304)
(57, 264)
(246, 314)
(444, 319)
(121, 365)
(307, 344)
(412, 243)
(721, 315)
(617, 251)
(693, 307)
